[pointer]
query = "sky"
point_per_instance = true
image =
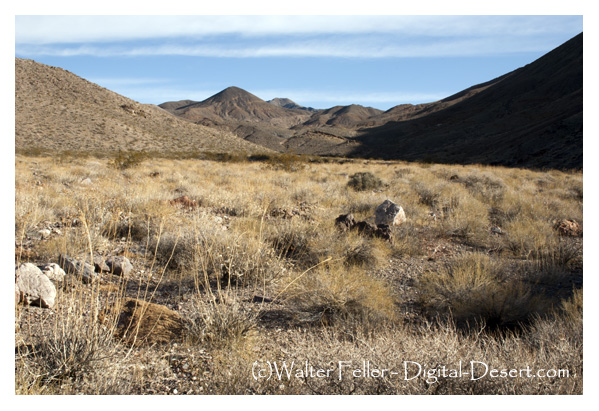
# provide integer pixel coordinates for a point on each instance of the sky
(317, 61)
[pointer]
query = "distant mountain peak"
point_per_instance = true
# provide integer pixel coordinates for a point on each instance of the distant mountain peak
(233, 94)
(288, 103)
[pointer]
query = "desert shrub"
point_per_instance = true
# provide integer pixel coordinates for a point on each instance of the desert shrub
(368, 253)
(468, 221)
(213, 254)
(123, 161)
(218, 325)
(426, 194)
(364, 181)
(134, 229)
(293, 242)
(475, 289)
(288, 162)
(501, 216)
(487, 188)
(224, 157)
(361, 208)
(174, 251)
(333, 294)
(571, 308)
(68, 353)
(536, 239)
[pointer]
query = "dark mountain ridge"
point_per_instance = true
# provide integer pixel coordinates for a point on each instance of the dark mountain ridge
(531, 117)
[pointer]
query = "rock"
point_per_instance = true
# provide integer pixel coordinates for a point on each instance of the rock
(100, 264)
(53, 272)
(44, 233)
(143, 323)
(365, 228)
(345, 222)
(80, 269)
(568, 228)
(383, 231)
(86, 181)
(368, 229)
(496, 230)
(119, 265)
(33, 287)
(389, 213)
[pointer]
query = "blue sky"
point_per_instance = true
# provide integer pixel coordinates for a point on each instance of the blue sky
(318, 61)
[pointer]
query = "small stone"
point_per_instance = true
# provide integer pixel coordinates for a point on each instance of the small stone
(100, 264)
(80, 269)
(119, 265)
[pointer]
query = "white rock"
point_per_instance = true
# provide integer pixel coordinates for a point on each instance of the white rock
(53, 272)
(34, 287)
(389, 213)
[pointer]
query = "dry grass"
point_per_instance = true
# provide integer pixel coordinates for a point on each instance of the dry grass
(258, 271)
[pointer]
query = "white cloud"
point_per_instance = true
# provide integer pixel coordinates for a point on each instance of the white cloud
(346, 47)
(90, 29)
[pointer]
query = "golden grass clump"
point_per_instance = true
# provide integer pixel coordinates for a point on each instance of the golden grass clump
(332, 294)
(474, 288)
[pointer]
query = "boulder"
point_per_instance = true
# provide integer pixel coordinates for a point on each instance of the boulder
(53, 272)
(33, 287)
(119, 265)
(100, 264)
(345, 222)
(77, 268)
(389, 213)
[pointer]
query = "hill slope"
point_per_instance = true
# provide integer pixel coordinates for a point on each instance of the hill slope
(57, 110)
(235, 104)
(531, 117)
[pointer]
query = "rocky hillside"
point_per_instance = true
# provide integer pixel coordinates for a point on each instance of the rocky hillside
(57, 110)
(287, 103)
(234, 105)
(531, 117)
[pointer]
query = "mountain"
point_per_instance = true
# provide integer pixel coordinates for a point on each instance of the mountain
(343, 116)
(531, 117)
(56, 110)
(236, 104)
(287, 103)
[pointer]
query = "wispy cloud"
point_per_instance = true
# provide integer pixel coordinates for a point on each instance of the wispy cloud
(92, 29)
(332, 46)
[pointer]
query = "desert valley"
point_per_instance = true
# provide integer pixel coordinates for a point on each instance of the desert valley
(194, 247)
